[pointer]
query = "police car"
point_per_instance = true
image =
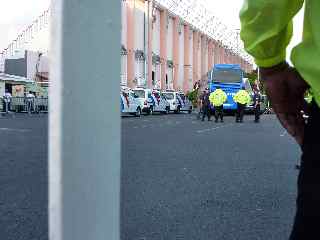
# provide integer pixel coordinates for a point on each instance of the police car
(178, 101)
(160, 103)
(129, 103)
(151, 100)
(144, 96)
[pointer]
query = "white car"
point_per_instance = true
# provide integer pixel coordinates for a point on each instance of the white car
(144, 96)
(129, 103)
(151, 100)
(159, 102)
(178, 101)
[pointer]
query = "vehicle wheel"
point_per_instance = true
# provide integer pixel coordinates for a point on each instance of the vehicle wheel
(138, 112)
(167, 110)
(178, 110)
(190, 110)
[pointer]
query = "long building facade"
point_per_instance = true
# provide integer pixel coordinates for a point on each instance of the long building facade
(161, 50)
(158, 50)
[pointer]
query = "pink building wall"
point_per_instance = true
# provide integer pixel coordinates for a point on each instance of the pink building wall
(130, 43)
(205, 52)
(176, 59)
(150, 47)
(186, 58)
(163, 46)
(195, 56)
(210, 54)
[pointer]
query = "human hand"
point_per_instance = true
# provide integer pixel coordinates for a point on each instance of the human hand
(285, 89)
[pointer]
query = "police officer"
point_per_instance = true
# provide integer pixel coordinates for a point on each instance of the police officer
(199, 107)
(7, 101)
(266, 32)
(242, 98)
(256, 105)
(205, 102)
(217, 99)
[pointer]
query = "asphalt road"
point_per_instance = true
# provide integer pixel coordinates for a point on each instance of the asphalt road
(181, 179)
(186, 179)
(23, 178)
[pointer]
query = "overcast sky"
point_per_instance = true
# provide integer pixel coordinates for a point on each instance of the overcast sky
(228, 12)
(16, 15)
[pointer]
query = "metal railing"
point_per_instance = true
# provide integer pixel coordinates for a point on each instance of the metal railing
(24, 104)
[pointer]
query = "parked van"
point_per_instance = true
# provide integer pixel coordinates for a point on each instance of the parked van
(151, 100)
(178, 101)
(129, 103)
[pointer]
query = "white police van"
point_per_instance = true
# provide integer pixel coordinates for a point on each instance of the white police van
(151, 100)
(144, 96)
(160, 103)
(129, 103)
(178, 101)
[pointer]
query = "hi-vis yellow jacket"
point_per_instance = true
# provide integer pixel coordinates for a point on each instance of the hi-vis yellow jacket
(266, 30)
(218, 97)
(242, 96)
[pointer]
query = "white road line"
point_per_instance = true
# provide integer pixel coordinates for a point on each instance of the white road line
(283, 134)
(214, 128)
(14, 130)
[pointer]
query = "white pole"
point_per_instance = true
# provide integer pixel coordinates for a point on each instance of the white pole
(84, 135)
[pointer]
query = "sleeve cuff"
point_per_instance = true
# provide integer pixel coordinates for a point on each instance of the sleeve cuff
(269, 62)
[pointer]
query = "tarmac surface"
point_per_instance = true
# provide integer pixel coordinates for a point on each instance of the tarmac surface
(23, 178)
(181, 179)
(192, 180)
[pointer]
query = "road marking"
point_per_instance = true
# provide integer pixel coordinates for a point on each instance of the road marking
(14, 130)
(214, 128)
(283, 134)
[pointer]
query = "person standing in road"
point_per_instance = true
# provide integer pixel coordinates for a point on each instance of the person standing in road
(242, 98)
(7, 100)
(217, 98)
(205, 103)
(266, 30)
(256, 105)
(199, 107)
(30, 102)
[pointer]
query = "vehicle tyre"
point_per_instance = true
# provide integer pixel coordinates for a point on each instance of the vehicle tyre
(167, 110)
(138, 112)
(178, 110)
(190, 110)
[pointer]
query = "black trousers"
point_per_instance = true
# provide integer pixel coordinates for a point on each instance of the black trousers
(307, 220)
(206, 111)
(218, 112)
(240, 112)
(257, 113)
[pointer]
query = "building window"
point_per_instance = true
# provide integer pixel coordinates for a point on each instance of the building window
(153, 80)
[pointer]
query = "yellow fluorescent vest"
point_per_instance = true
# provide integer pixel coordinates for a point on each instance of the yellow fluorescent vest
(218, 97)
(266, 30)
(242, 96)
